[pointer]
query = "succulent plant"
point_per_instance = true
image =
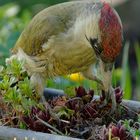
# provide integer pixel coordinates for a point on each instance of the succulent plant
(76, 116)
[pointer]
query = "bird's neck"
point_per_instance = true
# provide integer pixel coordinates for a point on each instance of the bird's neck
(87, 26)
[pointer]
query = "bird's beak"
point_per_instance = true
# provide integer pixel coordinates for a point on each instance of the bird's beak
(106, 74)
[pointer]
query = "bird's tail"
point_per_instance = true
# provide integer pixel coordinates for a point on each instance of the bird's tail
(29, 63)
(35, 72)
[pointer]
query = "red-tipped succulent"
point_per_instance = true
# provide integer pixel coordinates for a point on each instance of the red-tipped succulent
(117, 131)
(118, 94)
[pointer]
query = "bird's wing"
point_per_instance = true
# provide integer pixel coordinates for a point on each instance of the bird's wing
(39, 30)
(49, 22)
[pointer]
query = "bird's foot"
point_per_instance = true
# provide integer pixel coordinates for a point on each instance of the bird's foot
(113, 100)
(109, 98)
(116, 96)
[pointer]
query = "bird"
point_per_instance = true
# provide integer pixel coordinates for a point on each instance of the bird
(71, 37)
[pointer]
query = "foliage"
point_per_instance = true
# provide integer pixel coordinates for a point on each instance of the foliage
(133, 127)
(73, 116)
(16, 93)
(31, 5)
(137, 51)
(123, 76)
(126, 79)
(10, 28)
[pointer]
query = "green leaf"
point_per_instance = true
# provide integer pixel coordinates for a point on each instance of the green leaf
(137, 132)
(126, 77)
(11, 95)
(22, 125)
(70, 91)
(65, 112)
(128, 85)
(4, 84)
(137, 51)
(25, 87)
(27, 104)
(127, 124)
(116, 77)
(15, 68)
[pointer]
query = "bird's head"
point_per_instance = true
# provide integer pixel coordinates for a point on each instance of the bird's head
(108, 43)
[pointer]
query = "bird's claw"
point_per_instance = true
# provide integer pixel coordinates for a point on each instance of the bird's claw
(112, 97)
(114, 104)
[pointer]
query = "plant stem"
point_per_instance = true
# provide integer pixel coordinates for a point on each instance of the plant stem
(48, 125)
(109, 133)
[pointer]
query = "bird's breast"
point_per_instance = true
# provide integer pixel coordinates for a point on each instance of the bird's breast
(70, 60)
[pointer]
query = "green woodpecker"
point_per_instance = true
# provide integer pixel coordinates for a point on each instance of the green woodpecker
(78, 36)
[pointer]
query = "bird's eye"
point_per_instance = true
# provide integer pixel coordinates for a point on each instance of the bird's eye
(96, 46)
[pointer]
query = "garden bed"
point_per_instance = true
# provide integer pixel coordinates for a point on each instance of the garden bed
(83, 116)
(132, 109)
(7, 133)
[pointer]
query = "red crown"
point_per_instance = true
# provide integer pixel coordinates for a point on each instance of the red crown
(111, 33)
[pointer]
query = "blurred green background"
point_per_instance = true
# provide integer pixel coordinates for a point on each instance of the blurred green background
(16, 14)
